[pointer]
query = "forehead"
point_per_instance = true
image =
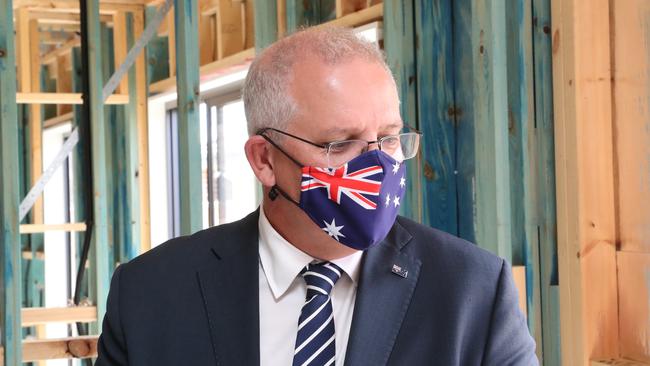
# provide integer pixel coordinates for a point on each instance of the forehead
(353, 95)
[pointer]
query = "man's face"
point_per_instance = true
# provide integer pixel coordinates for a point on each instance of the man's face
(355, 99)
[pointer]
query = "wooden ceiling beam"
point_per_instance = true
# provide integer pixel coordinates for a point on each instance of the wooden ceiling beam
(73, 5)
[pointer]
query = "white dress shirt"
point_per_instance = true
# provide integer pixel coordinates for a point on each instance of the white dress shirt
(283, 293)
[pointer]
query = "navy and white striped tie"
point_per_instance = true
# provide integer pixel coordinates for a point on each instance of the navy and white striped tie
(315, 343)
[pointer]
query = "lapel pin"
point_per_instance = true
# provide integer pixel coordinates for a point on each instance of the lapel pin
(402, 272)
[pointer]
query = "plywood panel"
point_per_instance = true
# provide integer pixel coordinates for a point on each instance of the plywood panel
(633, 288)
(631, 47)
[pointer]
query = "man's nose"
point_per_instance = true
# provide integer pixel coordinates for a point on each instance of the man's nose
(373, 146)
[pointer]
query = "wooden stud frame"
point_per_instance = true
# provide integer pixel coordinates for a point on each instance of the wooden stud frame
(187, 80)
(585, 180)
(10, 252)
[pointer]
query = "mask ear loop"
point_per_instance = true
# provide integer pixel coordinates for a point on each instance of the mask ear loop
(282, 151)
(275, 190)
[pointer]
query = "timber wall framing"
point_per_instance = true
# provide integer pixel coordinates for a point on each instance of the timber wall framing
(602, 114)
(475, 77)
(50, 93)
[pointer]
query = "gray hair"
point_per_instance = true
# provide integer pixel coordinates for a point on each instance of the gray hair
(267, 101)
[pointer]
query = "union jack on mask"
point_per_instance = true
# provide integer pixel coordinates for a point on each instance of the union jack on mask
(357, 203)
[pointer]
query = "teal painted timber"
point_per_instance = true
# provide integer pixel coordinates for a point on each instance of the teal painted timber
(187, 85)
(266, 23)
(482, 124)
(79, 153)
(464, 112)
(10, 255)
(156, 51)
(111, 156)
(99, 252)
(493, 219)
(523, 158)
(301, 13)
(435, 98)
(131, 249)
(545, 150)
(399, 46)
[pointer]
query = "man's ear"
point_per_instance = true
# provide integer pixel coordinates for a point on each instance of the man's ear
(260, 159)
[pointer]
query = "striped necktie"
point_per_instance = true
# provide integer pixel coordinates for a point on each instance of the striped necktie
(315, 343)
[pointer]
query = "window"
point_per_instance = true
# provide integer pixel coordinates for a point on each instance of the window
(228, 186)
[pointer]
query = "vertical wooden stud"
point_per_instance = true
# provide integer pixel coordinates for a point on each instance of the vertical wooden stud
(99, 252)
(586, 210)
(10, 248)
(187, 82)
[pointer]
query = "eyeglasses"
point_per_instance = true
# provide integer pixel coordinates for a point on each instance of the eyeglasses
(400, 147)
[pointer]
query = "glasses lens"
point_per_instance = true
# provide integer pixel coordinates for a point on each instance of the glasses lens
(341, 152)
(410, 143)
(401, 147)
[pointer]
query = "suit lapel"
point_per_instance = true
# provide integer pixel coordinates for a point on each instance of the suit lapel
(386, 284)
(229, 286)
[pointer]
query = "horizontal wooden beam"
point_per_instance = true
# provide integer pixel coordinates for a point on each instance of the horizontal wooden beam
(113, 5)
(361, 17)
(72, 314)
(42, 228)
(226, 64)
(48, 349)
(51, 57)
(48, 17)
(55, 121)
(64, 98)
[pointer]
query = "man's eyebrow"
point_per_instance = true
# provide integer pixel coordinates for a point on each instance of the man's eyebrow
(338, 131)
(394, 125)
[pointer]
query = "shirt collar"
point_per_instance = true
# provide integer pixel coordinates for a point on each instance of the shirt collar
(282, 262)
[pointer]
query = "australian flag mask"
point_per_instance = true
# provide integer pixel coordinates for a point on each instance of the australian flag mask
(355, 204)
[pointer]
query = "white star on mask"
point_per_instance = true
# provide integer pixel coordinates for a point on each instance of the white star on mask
(395, 168)
(396, 201)
(402, 182)
(333, 230)
(387, 199)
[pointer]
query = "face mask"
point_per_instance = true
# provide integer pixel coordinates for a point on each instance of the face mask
(355, 204)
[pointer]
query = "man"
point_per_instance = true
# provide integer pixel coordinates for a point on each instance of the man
(323, 273)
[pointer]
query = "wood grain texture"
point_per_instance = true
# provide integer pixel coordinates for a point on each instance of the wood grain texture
(435, 97)
(399, 46)
(187, 81)
(10, 248)
(634, 311)
(631, 93)
(585, 180)
(544, 170)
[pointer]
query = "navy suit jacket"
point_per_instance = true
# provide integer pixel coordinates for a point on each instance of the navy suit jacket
(194, 301)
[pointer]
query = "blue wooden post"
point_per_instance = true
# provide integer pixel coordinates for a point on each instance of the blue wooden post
(482, 130)
(435, 100)
(131, 141)
(545, 168)
(99, 254)
(266, 23)
(112, 150)
(493, 218)
(157, 53)
(10, 255)
(523, 157)
(79, 154)
(187, 83)
(399, 46)
(308, 13)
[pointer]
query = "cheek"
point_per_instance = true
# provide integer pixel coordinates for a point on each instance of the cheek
(287, 176)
